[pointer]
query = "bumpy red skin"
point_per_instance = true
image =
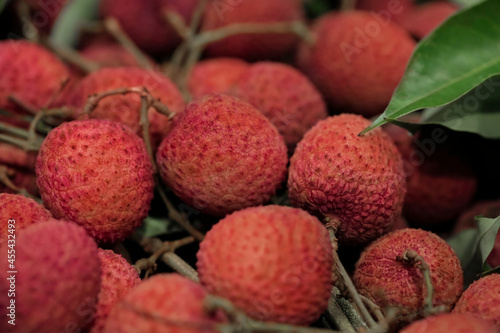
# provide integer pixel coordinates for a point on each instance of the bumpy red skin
(30, 73)
(109, 54)
(450, 322)
(285, 96)
(23, 210)
(252, 47)
(396, 11)
(354, 181)
(356, 74)
(126, 108)
(57, 281)
(223, 155)
(144, 23)
(424, 19)
(96, 173)
(179, 303)
(117, 279)
(481, 299)
(215, 76)
(273, 262)
(393, 283)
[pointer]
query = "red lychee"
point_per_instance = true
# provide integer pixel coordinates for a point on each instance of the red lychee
(144, 21)
(357, 60)
(285, 96)
(273, 262)
(422, 20)
(108, 54)
(481, 299)
(117, 279)
(220, 14)
(355, 182)
(392, 10)
(450, 322)
(215, 76)
(96, 173)
(126, 108)
(390, 282)
(222, 155)
(163, 303)
(24, 211)
(16, 157)
(57, 280)
(30, 73)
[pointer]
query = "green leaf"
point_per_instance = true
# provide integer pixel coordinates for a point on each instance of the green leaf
(467, 3)
(66, 30)
(153, 227)
(455, 58)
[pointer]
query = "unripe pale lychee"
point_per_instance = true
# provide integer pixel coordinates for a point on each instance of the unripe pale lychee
(357, 60)
(285, 96)
(390, 282)
(117, 279)
(163, 303)
(57, 280)
(422, 20)
(273, 262)
(259, 46)
(481, 299)
(215, 76)
(30, 73)
(96, 173)
(222, 155)
(25, 211)
(355, 182)
(151, 32)
(126, 108)
(450, 322)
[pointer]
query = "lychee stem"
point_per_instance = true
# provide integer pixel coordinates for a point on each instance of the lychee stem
(74, 58)
(180, 266)
(23, 105)
(348, 5)
(336, 316)
(114, 28)
(5, 174)
(177, 22)
(23, 12)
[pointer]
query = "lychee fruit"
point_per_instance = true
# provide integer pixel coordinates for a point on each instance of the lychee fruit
(356, 183)
(285, 96)
(144, 21)
(17, 157)
(24, 211)
(357, 60)
(163, 303)
(450, 322)
(126, 108)
(57, 280)
(390, 282)
(108, 54)
(215, 76)
(117, 279)
(259, 46)
(422, 20)
(45, 13)
(481, 299)
(273, 262)
(30, 73)
(395, 11)
(222, 155)
(96, 173)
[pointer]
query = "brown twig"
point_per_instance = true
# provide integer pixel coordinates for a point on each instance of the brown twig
(336, 316)
(177, 22)
(5, 174)
(74, 58)
(23, 11)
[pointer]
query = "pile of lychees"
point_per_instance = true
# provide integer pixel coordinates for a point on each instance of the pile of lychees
(240, 122)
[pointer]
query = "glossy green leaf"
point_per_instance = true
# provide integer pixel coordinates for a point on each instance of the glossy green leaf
(451, 61)
(467, 3)
(66, 30)
(154, 227)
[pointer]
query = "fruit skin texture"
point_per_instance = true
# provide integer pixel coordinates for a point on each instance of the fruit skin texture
(96, 173)
(151, 33)
(393, 283)
(481, 299)
(117, 279)
(57, 281)
(177, 300)
(396, 11)
(352, 181)
(273, 262)
(222, 155)
(215, 76)
(126, 108)
(450, 322)
(285, 96)
(355, 68)
(25, 211)
(252, 47)
(30, 73)
(109, 54)
(422, 20)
